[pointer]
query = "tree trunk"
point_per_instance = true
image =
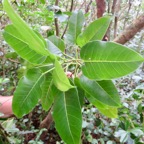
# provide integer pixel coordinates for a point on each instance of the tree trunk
(101, 7)
(131, 30)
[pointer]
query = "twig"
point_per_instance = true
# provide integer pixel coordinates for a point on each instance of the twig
(56, 20)
(87, 8)
(13, 60)
(71, 8)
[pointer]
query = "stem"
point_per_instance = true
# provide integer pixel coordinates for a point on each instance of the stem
(56, 20)
(71, 8)
(68, 56)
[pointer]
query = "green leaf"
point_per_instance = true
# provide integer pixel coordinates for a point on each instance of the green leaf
(95, 31)
(47, 92)
(108, 60)
(108, 111)
(29, 36)
(75, 25)
(57, 42)
(104, 92)
(67, 116)
(81, 92)
(60, 79)
(27, 93)
(53, 48)
(15, 40)
(42, 1)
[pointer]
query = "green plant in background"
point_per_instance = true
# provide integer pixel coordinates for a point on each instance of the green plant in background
(94, 64)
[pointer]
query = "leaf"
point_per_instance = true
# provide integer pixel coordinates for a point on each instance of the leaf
(67, 116)
(59, 43)
(123, 135)
(75, 25)
(60, 79)
(108, 60)
(47, 92)
(99, 92)
(15, 40)
(42, 1)
(28, 92)
(95, 31)
(108, 111)
(53, 48)
(81, 92)
(29, 36)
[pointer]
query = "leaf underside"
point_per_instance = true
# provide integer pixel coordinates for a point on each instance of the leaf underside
(47, 92)
(60, 79)
(29, 36)
(15, 40)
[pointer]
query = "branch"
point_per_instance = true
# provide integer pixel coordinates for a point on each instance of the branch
(87, 8)
(101, 7)
(56, 20)
(131, 30)
(71, 8)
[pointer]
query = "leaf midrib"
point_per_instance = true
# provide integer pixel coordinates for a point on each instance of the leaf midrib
(67, 118)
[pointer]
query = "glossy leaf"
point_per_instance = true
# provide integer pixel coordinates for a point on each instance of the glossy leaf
(95, 31)
(75, 25)
(47, 92)
(57, 42)
(67, 116)
(60, 79)
(29, 36)
(108, 60)
(104, 91)
(28, 92)
(15, 40)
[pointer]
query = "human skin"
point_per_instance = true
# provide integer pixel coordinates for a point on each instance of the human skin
(6, 105)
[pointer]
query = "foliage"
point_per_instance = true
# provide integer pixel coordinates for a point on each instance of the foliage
(46, 79)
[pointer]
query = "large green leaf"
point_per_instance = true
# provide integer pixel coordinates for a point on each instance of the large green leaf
(104, 92)
(15, 40)
(75, 25)
(95, 31)
(28, 92)
(47, 92)
(67, 116)
(29, 36)
(108, 60)
(57, 42)
(60, 79)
